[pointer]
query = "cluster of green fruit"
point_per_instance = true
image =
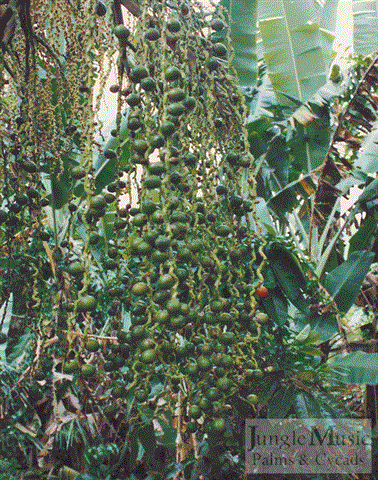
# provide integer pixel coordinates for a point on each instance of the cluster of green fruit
(187, 256)
(22, 199)
(22, 229)
(39, 146)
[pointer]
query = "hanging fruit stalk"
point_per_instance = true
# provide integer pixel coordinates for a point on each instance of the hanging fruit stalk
(185, 256)
(192, 256)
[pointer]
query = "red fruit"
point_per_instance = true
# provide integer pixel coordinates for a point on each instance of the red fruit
(262, 292)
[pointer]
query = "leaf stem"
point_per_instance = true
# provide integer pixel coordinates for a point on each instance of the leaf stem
(323, 260)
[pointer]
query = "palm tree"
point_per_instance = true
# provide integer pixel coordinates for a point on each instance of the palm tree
(88, 280)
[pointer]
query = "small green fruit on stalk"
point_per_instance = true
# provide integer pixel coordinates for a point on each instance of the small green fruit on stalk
(261, 317)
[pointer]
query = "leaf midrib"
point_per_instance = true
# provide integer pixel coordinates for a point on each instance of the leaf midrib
(292, 50)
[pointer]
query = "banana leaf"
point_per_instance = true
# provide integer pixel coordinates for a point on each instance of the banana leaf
(357, 178)
(324, 324)
(288, 198)
(365, 27)
(276, 306)
(260, 99)
(367, 158)
(319, 404)
(243, 36)
(281, 403)
(364, 237)
(265, 219)
(369, 194)
(308, 137)
(288, 275)
(297, 41)
(355, 368)
(278, 159)
(344, 282)
(310, 130)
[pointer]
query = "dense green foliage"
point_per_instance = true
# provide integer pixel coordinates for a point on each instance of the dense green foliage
(169, 275)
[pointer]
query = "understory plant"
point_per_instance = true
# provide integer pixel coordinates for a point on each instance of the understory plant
(149, 306)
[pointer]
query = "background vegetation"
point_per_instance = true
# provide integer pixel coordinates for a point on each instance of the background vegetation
(198, 260)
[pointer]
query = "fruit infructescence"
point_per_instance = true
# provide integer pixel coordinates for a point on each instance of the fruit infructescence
(189, 243)
(184, 258)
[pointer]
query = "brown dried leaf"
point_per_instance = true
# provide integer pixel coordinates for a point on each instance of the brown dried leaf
(304, 115)
(371, 78)
(92, 421)
(51, 427)
(363, 110)
(306, 186)
(51, 341)
(73, 400)
(365, 95)
(50, 257)
(27, 430)
(57, 376)
(357, 122)
(342, 134)
(42, 453)
(175, 422)
(132, 6)
(333, 169)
